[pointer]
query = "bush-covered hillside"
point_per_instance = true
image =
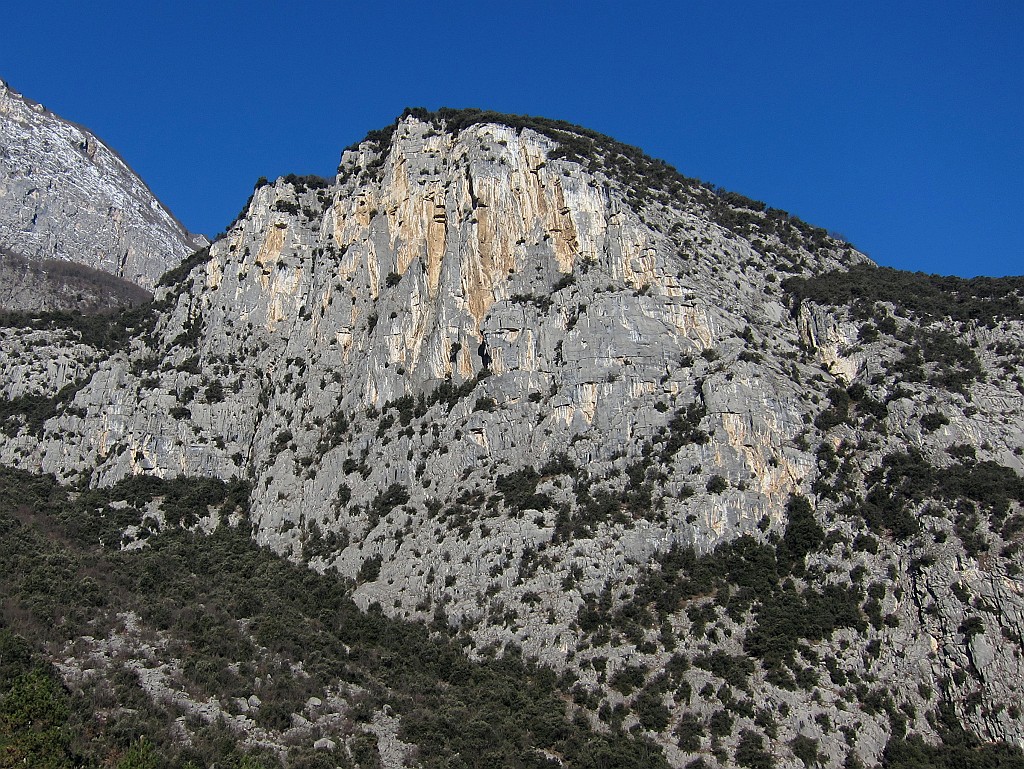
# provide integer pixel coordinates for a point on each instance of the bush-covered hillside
(916, 295)
(234, 621)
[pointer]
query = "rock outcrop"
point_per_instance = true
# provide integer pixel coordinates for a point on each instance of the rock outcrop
(66, 196)
(501, 373)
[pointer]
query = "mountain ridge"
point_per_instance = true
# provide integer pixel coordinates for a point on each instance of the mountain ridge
(66, 196)
(501, 390)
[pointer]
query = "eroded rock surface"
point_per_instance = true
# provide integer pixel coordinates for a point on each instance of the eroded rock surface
(497, 383)
(67, 197)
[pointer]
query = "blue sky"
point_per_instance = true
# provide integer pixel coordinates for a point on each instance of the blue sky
(898, 125)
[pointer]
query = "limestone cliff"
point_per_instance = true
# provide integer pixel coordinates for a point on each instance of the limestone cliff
(502, 372)
(66, 196)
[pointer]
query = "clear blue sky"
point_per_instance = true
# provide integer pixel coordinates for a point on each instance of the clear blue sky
(899, 125)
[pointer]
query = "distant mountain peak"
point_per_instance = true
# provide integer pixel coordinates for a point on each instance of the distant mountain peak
(65, 196)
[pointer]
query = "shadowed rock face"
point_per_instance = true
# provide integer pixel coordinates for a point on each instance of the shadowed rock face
(495, 380)
(52, 284)
(64, 195)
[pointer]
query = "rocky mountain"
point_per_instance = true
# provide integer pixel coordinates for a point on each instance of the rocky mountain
(67, 197)
(52, 285)
(749, 498)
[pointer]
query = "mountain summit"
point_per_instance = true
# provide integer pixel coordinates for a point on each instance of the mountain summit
(748, 495)
(65, 197)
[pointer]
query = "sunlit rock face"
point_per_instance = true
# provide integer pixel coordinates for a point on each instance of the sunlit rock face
(591, 319)
(494, 372)
(67, 197)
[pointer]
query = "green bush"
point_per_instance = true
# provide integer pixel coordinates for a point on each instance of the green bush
(628, 679)
(803, 534)
(806, 749)
(750, 752)
(689, 731)
(717, 484)
(733, 669)
(720, 723)
(369, 569)
(651, 712)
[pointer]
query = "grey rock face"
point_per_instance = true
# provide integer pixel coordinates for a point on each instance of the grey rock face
(65, 195)
(495, 386)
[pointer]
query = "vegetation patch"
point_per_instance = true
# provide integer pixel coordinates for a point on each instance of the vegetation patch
(746, 576)
(899, 486)
(241, 619)
(915, 295)
(106, 331)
